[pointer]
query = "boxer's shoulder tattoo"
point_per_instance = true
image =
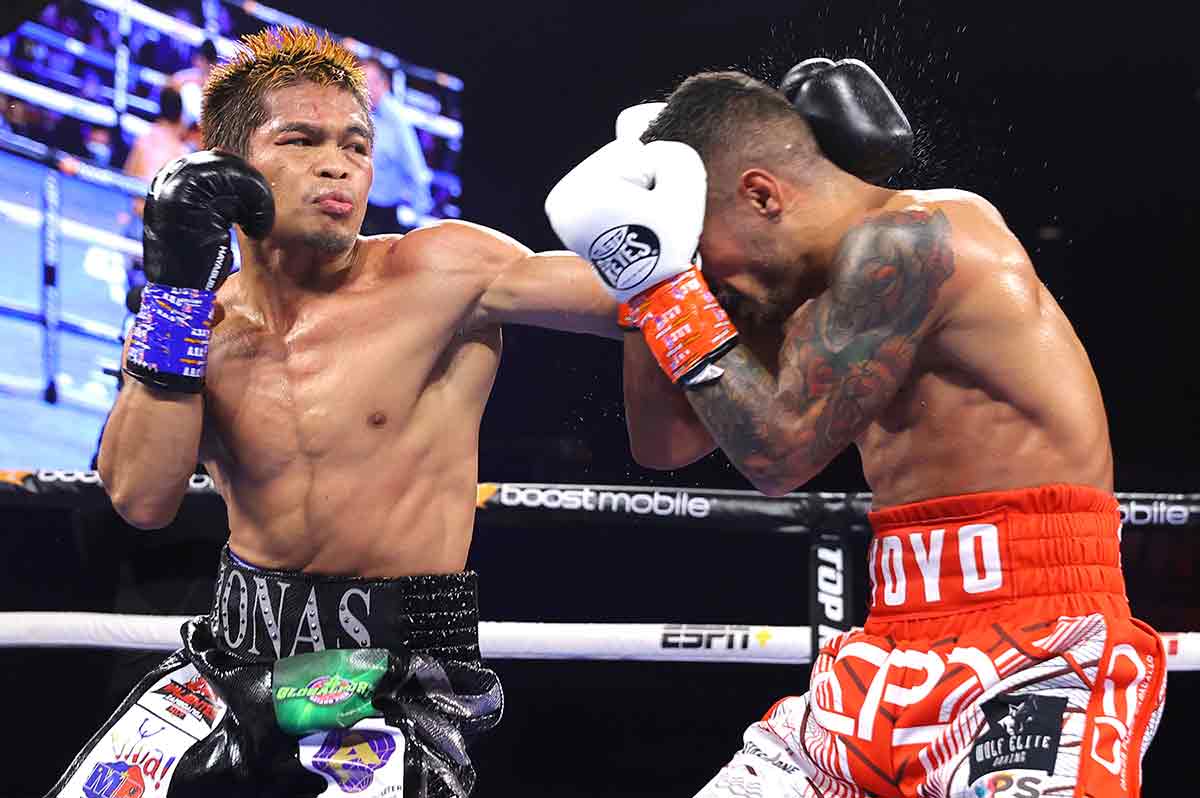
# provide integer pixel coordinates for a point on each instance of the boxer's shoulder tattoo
(849, 351)
(845, 353)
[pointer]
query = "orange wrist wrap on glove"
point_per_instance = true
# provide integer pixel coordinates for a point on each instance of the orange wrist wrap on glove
(682, 322)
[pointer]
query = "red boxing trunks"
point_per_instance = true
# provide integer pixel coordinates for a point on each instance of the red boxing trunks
(999, 658)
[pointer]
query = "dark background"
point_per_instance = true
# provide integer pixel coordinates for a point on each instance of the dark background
(1079, 123)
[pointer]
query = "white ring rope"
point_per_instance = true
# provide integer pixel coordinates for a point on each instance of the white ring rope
(658, 642)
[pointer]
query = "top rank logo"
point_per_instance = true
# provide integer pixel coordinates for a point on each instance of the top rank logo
(1023, 732)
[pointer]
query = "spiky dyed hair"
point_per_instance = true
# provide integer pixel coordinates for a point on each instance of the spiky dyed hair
(272, 59)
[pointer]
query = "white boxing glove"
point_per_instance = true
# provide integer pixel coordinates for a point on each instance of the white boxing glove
(634, 211)
(633, 121)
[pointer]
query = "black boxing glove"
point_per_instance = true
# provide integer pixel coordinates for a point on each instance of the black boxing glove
(855, 119)
(191, 204)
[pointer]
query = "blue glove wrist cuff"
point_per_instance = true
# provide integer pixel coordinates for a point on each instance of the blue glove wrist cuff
(169, 342)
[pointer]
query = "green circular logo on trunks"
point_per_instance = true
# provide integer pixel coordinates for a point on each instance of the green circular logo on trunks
(625, 255)
(329, 690)
(326, 689)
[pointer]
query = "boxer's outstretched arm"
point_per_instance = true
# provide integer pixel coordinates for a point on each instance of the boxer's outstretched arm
(555, 290)
(560, 291)
(149, 450)
(844, 357)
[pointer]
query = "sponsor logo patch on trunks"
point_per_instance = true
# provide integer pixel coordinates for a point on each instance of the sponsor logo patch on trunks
(1023, 731)
(114, 780)
(1009, 784)
(193, 697)
(366, 760)
(327, 690)
(738, 780)
(185, 699)
(136, 758)
(778, 759)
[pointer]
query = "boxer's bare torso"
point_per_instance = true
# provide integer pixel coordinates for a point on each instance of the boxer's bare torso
(343, 431)
(346, 376)
(1000, 393)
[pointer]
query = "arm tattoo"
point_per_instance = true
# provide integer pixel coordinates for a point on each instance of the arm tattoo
(844, 357)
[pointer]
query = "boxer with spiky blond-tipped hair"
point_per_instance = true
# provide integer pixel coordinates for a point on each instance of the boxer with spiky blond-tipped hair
(333, 388)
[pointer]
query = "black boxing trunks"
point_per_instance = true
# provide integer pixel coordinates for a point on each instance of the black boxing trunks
(302, 685)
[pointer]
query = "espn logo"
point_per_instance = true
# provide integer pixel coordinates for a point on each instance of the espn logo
(706, 635)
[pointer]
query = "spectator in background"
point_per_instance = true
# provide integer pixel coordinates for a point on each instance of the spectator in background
(190, 82)
(69, 134)
(24, 119)
(98, 143)
(91, 87)
(61, 16)
(162, 143)
(401, 174)
(5, 66)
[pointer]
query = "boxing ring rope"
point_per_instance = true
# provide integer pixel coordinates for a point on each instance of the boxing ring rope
(497, 639)
(524, 504)
(644, 642)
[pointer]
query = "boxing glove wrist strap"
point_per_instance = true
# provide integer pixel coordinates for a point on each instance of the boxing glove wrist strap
(168, 346)
(683, 324)
(627, 318)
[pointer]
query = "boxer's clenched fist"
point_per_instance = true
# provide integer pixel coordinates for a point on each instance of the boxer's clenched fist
(635, 212)
(191, 204)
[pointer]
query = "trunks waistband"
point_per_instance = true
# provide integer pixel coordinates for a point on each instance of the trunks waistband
(982, 550)
(266, 614)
